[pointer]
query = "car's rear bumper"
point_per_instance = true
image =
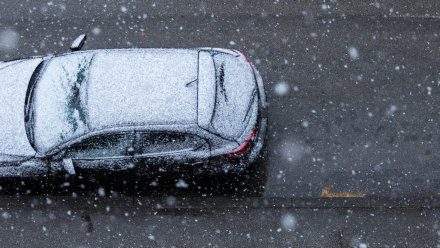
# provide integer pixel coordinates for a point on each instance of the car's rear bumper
(262, 124)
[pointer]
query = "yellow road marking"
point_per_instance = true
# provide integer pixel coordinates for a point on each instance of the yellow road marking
(326, 192)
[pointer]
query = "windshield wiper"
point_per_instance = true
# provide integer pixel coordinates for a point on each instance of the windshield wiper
(28, 107)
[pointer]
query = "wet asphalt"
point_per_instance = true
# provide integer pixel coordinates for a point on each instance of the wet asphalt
(353, 91)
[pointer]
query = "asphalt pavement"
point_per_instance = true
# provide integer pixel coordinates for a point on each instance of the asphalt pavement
(353, 89)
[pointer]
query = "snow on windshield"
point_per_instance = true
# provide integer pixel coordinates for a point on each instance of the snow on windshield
(59, 101)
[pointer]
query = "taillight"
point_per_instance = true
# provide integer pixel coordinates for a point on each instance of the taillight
(245, 59)
(243, 148)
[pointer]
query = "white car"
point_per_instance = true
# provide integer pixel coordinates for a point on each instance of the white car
(201, 110)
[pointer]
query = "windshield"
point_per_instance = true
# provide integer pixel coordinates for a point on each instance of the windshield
(58, 101)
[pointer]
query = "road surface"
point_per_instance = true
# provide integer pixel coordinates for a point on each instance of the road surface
(354, 94)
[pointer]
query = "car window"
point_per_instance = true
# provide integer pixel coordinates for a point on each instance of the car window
(157, 142)
(108, 145)
(59, 101)
(234, 97)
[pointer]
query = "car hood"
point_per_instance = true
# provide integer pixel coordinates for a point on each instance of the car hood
(14, 80)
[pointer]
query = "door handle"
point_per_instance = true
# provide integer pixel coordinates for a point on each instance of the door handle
(130, 150)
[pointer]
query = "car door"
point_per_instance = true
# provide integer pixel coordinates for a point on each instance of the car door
(105, 152)
(170, 152)
(20, 166)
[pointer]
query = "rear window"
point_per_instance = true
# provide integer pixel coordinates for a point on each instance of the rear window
(235, 93)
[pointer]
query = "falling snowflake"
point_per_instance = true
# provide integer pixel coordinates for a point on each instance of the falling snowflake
(353, 52)
(282, 88)
(8, 39)
(181, 184)
(124, 9)
(288, 222)
(96, 31)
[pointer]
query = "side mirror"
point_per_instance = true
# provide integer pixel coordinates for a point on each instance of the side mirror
(78, 43)
(68, 166)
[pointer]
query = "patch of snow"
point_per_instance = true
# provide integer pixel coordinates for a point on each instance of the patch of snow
(140, 87)
(59, 101)
(235, 105)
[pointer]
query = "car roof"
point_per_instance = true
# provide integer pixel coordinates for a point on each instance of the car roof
(142, 87)
(100, 89)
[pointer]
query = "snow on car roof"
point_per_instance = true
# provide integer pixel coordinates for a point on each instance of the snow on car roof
(95, 90)
(142, 87)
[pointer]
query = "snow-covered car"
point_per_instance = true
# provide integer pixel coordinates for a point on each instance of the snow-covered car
(202, 110)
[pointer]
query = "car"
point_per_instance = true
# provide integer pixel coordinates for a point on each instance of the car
(201, 110)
